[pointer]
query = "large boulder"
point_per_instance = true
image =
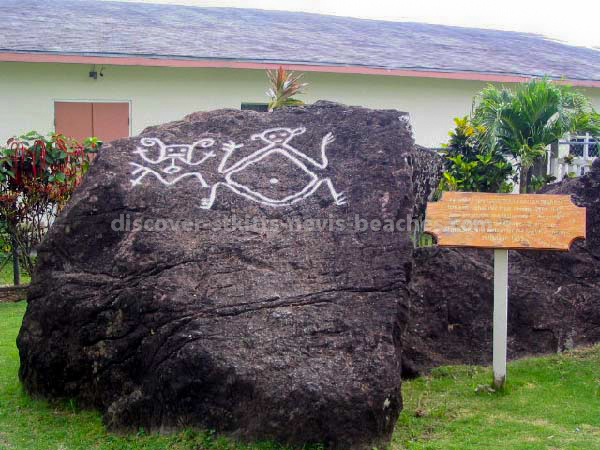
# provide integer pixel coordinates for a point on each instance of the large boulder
(554, 297)
(218, 272)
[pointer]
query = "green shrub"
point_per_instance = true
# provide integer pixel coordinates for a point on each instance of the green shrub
(38, 175)
(471, 167)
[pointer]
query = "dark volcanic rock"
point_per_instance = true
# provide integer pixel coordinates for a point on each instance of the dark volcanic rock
(258, 331)
(554, 298)
(427, 169)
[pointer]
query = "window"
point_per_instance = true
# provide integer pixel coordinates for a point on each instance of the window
(80, 120)
(584, 146)
(261, 107)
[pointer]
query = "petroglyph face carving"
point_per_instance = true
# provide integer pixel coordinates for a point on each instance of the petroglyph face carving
(171, 161)
(278, 135)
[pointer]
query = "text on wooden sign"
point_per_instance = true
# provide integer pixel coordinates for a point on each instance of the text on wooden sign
(527, 221)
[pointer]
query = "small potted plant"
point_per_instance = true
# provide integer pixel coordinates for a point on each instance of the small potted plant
(284, 86)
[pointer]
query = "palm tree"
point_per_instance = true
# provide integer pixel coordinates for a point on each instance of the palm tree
(525, 121)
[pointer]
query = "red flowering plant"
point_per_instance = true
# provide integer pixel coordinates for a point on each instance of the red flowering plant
(38, 175)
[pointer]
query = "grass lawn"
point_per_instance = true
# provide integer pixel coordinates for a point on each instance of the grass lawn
(6, 276)
(550, 403)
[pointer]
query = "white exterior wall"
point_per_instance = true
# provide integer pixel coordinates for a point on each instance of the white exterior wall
(158, 95)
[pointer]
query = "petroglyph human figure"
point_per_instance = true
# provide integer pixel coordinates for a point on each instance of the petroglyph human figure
(277, 174)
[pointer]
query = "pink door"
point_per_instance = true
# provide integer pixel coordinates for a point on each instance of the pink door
(80, 120)
(110, 121)
(73, 119)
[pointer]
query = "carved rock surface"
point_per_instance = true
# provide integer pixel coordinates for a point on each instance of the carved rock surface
(554, 297)
(259, 331)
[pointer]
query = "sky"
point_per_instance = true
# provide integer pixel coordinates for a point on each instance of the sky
(576, 21)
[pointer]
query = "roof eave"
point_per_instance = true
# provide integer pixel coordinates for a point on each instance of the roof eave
(132, 60)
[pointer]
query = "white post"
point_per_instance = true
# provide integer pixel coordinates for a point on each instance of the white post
(500, 315)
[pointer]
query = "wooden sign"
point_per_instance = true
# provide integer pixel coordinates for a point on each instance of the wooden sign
(505, 221)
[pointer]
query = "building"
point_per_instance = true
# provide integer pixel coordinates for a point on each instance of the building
(111, 69)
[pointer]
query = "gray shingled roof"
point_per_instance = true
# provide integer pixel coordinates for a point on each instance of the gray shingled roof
(87, 27)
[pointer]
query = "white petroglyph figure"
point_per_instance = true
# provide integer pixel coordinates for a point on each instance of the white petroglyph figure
(275, 183)
(172, 161)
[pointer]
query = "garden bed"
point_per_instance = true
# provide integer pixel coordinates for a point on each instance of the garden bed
(13, 293)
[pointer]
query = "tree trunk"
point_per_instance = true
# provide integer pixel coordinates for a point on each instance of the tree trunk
(15, 256)
(523, 179)
(529, 179)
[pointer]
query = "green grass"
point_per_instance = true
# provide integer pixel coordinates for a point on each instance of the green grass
(6, 276)
(27, 423)
(549, 403)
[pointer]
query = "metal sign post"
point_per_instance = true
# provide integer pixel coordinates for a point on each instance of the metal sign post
(500, 316)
